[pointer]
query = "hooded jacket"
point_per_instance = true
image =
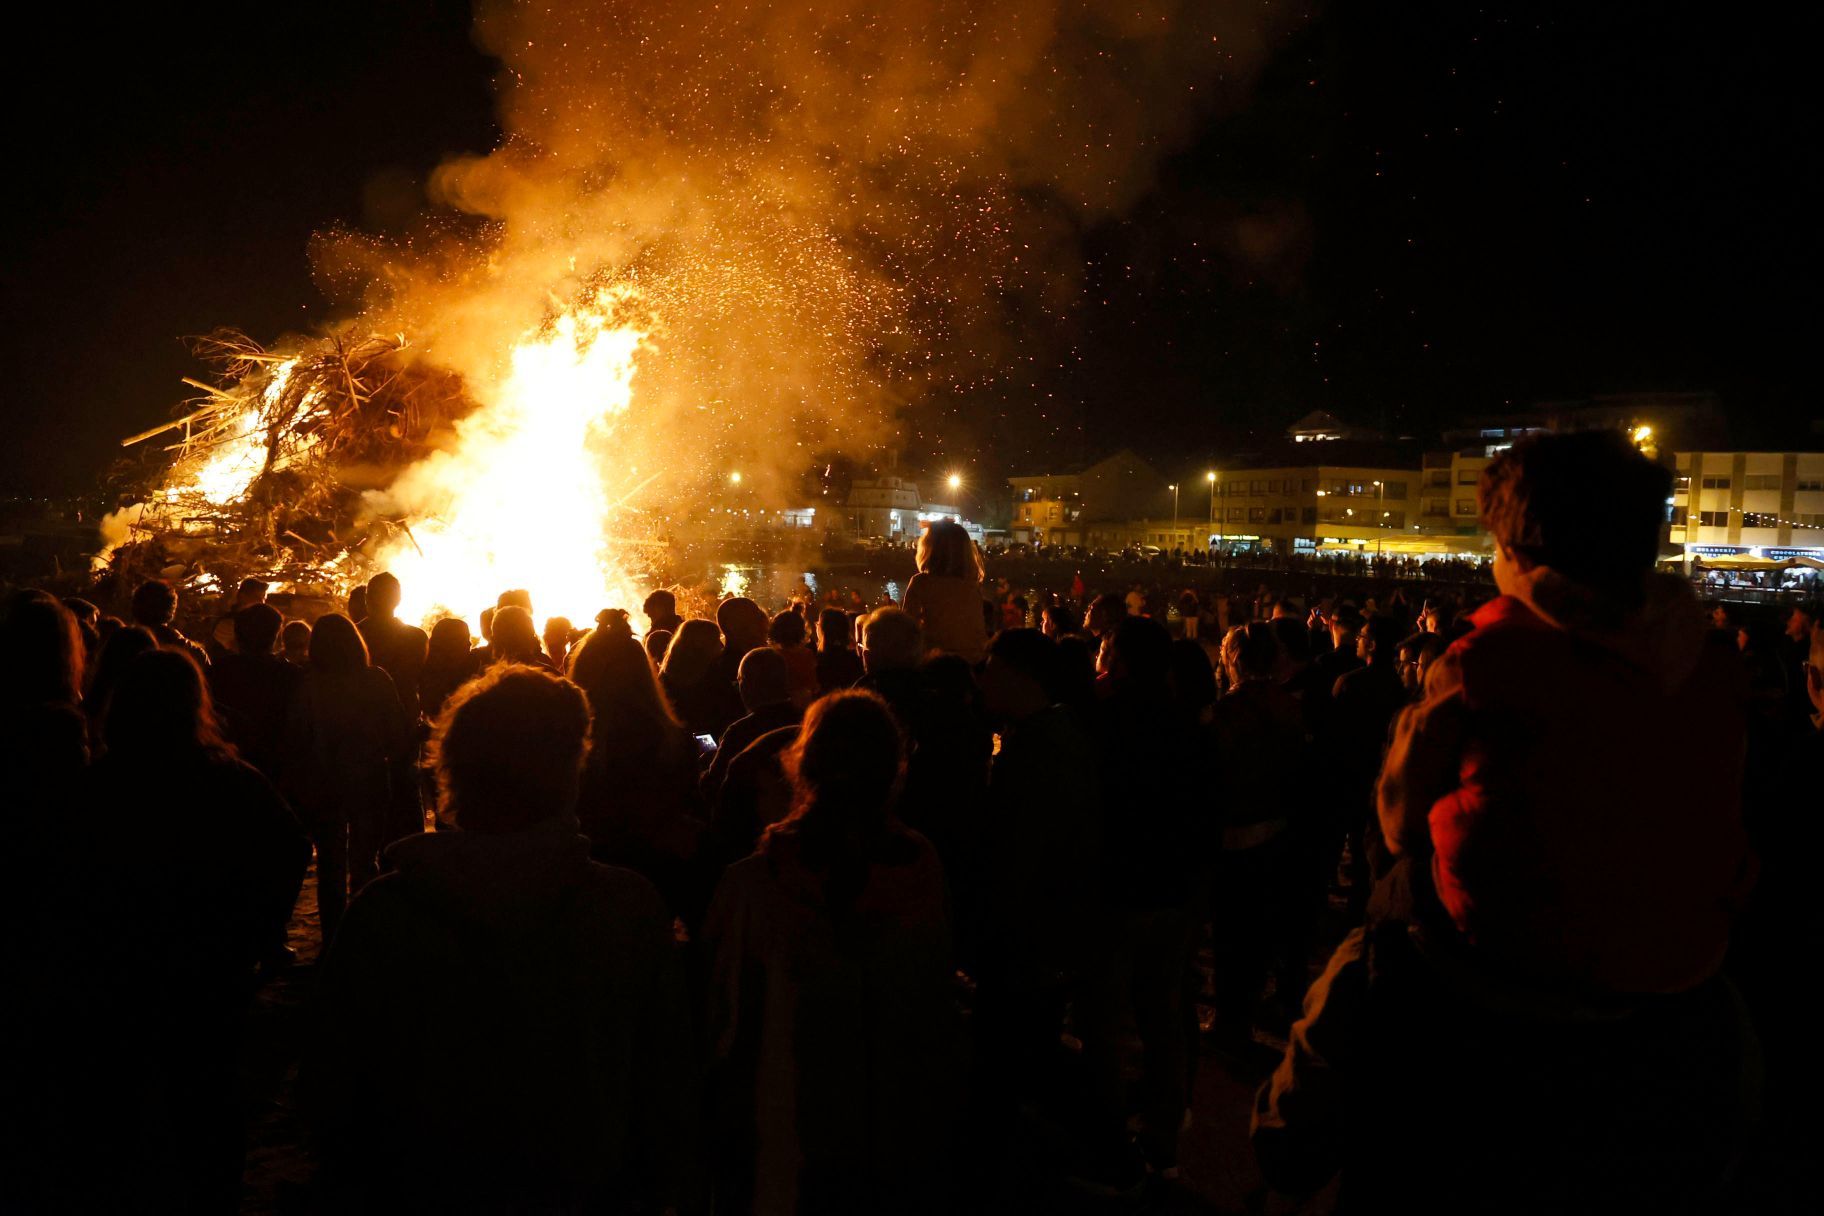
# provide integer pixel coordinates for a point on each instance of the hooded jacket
(504, 1028)
(1574, 773)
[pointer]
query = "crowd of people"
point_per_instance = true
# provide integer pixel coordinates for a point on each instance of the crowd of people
(835, 911)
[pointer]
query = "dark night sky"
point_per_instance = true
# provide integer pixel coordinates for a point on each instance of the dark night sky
(1446, 207)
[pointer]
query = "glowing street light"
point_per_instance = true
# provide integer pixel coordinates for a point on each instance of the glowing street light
(734, 479)
(956, 481)
(1381, 527)
(1214, 522)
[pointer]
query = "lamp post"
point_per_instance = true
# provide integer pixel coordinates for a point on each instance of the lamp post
(1211, 478)
(1174, 489)
(1380, 523)
(1216, 508)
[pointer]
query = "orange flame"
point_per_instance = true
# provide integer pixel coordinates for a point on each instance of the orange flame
(523, 499)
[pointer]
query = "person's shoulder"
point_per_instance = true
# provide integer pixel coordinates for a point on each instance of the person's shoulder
(746, 881)
(633, 895)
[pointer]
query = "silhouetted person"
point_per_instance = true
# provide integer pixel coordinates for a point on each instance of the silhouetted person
(503, 1020)
(88, 623)
(1104, 613)
(393, 646)
(41, 669)
(834, 1050)
(945, 596)
(1039, 902)
(556, 637)
(517, 597)
(1363, 706)
(787, 635)
(1193, 681)
(657, 643)
(766, 693)
(122, 647)
(755, 794)
(50, 1079)
(345, 737)
(449, 663)
(1262, 890)
(401, 651)
(744, 625)
(1561, 902)
(221, 631)
(253, 687)
(1417, 654)
(295, 639)
(692, 677)
(201, 863)
(1344, 656)
(154, 607)
(661, 609)
(1149, 870)
(1793, 648)
(939, 707)
(639, 802)
(838, 666)
(515, 640)
(892, 647)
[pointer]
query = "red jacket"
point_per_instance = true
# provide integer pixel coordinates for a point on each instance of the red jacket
(1579, 789)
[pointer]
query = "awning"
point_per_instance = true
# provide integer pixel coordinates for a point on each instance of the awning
(1742, 562)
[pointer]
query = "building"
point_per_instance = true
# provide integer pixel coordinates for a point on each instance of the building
(1052, 508)
(891, 508)
(1659, 421)
(1447, 493)
(1748, 504)
(1331, 508)
(1320, 426)
(1288, 508)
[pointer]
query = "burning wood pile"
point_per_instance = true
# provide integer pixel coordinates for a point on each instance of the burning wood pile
(263, 473)
(315, 466)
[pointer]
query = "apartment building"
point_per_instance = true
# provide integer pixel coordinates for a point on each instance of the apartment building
(1762, 504)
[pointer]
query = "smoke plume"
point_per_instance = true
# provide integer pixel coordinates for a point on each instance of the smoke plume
(826, 208)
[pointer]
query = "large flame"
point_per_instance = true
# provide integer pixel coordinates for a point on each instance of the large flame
(524, 499)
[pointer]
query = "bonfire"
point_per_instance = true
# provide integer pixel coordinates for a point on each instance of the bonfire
(315, 465)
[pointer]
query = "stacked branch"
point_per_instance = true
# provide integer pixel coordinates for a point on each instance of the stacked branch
(262, 472)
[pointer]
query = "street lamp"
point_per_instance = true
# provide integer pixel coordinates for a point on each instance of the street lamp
(1380, 524)
(956, 481)
(1213, 516)
(1174, 489)
(734, 479)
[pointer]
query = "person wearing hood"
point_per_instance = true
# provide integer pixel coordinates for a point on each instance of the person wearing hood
(503, 1020)
(1535, 998)
(834, 1047)
(1536, 750)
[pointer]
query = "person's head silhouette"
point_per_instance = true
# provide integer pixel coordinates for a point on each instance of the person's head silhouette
(507, 750)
